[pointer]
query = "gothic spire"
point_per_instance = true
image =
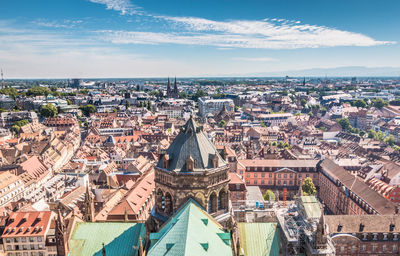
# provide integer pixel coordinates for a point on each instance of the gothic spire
(175, 86)
(168, 87)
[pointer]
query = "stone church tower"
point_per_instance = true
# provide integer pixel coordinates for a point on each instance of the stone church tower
(88, 214)
(61, 235)
(191, 168)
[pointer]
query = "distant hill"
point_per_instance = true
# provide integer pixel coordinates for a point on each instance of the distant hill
(338, 72)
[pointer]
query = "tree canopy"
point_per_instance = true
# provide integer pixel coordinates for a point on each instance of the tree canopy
(87, 109)
(269, 195)
(38, 91)
(49, 110)
(308, 187)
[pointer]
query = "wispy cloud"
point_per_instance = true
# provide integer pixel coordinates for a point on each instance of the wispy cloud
(273, 34)
(122, 6)
(269, 33)
(57, 24)
(260, 59)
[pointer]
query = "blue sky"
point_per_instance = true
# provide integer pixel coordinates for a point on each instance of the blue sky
(149, 38)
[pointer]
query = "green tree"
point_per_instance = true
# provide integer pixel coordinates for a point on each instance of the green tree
(127, 104)
(344, 122)
(49, 110)
(149, 106)
(269, 195)
(69, 102)
(16, 127)
(379, 103)
(88, 109)
(390, 140)
(303, 102)
(183, 95)
(38, 91)
(236, 108)
(10, 91)
(308, 187)
(199, 93)
(262, 124)
(84, 91)
(222, 123)
(359, 103)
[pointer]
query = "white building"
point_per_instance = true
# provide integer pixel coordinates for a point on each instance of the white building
(214, 106)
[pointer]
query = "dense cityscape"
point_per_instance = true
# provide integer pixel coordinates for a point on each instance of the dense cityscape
(230, 166)
(199, 128)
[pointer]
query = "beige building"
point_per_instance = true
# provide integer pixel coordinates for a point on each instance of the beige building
(30, 234)
(11, 188)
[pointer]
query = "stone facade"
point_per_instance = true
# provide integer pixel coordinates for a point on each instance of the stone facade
(191, 168)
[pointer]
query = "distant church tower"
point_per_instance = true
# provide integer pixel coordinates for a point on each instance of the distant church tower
(88, 214)
(172, 93)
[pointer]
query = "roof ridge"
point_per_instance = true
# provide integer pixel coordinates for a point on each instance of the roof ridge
(187, 227)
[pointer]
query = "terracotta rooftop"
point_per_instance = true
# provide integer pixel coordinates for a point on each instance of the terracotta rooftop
(27, 224)
(136, 197)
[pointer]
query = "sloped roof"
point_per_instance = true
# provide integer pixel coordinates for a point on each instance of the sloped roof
(191, 141)
(259, 239)
(361, 189)
(119, 238)
(191, 231)
(311, 207)
(136, 197)
(30, 223)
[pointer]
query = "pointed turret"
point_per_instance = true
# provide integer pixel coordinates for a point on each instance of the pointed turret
(140, 253)
(168, 88)
(104, 250)
(175, 87)
(89, 206)
(192, 143)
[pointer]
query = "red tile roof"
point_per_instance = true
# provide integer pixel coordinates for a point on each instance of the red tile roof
(28, 224)
(136, 197)
(35, 168)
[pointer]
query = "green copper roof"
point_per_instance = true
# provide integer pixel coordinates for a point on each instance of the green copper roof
(191, 141)
(191, 231)
(119, 238)
(311, 206)
(259, 239)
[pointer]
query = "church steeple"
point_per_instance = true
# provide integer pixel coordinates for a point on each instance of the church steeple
(168, 87)
(61, 238)
(175, 87)
(88, 206)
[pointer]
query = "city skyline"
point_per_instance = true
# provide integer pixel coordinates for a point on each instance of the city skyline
(123, 38)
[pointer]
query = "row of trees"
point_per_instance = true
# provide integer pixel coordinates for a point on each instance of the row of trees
(377, 103)
(307, 187)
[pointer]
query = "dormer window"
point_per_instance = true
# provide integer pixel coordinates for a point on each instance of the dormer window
(190, 164)
(165, 161)
(215, 161)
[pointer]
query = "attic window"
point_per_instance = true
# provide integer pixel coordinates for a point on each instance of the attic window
(205, 221)
(190, 164)
(205, 246)
(361, 227)
(215, 161)
(165, 161)
(169, 246)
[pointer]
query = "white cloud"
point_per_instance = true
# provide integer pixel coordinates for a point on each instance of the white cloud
(274, 34)
(57, 24)
(122, 6)
(260, 59)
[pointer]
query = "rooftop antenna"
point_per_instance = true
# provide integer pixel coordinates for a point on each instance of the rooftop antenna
(2, 79)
